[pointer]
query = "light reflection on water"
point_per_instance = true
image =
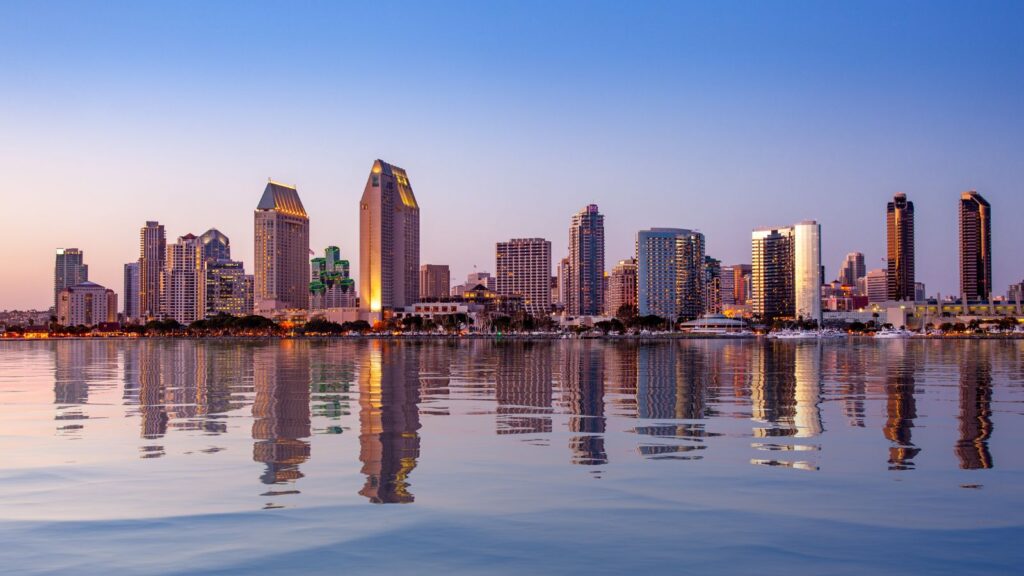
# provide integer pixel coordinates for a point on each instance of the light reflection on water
(101, 431)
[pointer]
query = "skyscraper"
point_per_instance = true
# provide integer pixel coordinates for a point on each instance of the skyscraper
(152, 253)
(786, 271)
(586, 263)
(281, 250)
(712, 285)
(524, 269)
(389, 240)
(670, 273)
(852, 269)
(180, 280)
(975, 247)
(900, 254)
(131, 291)
(741, 283)
(621, 286)
(435, 281)
(69, 270)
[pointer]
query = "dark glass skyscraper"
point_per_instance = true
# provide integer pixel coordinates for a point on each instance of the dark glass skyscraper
(900, 234)
(975, 247)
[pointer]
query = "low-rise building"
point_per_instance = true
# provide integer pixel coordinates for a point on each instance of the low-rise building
(86, 304)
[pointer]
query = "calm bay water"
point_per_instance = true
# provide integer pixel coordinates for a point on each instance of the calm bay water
(285, 456)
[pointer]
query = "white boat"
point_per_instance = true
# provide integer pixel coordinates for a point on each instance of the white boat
(788, 334)
(890, 333)
(832, 333)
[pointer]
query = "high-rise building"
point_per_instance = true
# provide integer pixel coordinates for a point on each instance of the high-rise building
(670, 273)
(621, 286)
(180, 280)
(214, 245)
(975, 247)
(712, 285)
(225, 288)
(435, 281)
(741, 283)
(586, 263)
(919, 292)
(152, 253)
(786, 271)
(876, 285)
(900, 254)
(331, 285)
(852, 269)
(86, 304)
(131, 291)
(563, 273)
(281, 250)
(523, 268)
(69, 270)
(389, 240)
(727, 286)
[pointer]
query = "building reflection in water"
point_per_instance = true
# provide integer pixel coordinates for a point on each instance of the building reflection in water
(280, 411)
(389, 423)
(76, 364)
(900, 405)
(773, 388)
(975, 408)
(582, 382)
(523, 388)
(807, 372)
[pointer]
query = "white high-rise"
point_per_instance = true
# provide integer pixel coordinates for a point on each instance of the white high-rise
(524, 269)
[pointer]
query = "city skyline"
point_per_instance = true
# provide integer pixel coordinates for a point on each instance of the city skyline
(777, 115)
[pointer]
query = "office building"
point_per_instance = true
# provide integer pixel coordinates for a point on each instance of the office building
(563, 273)
(586, 263)
(435, 281)
(152, 253)
(523, 268)
(900, 253)
(975, 247)
(69, 270)
(180, 280)
(712, 285)
(281, 250)
(852, 269)
(727, 287)
(86, 304)
(621, 286)
(389, 240)
(876, 286)
(225, 289)
(670, 273)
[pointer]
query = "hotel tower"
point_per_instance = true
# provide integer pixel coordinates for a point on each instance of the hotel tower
(281, 250)
(389, 240)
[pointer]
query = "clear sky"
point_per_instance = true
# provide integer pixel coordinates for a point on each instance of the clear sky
(508, 116)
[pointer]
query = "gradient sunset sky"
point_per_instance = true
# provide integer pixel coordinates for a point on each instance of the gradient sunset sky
(509, 117)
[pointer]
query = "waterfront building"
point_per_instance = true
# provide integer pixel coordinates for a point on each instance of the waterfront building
(900, 254)
(523, 268)
(786, 271)
(876, 286)
(331, 285)
(670, 273)
(86, 304)
(69, 270)
(435, 281)
(152, 253)
(281, 250)
(131, 291)
(712, 285)
(389, 240)
(727, 285)
(225, 289)
(852, 269)
(975, 247)
(180, 280)
(563, 273)
(621, 286)
(742, 278)
(586, 263)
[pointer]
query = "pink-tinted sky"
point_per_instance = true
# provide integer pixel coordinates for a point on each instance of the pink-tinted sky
(508, 118)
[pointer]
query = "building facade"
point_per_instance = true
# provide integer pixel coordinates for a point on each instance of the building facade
(86, 304)
(586, 263)
(523, 268)
(281, 250)
(225, 289)
(435, 281)
(180, 280)
(389, 240)
(69, 270)
(786, 271)
(852, 269)
(670, 273)
(152, 254)
(975, 247)
(331, 285)
(712, 285)
(876, 286)
(131, 291)
(900, 253)
(621, 286)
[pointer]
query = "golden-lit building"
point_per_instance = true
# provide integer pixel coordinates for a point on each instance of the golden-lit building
(389, 240)
(281, 250)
